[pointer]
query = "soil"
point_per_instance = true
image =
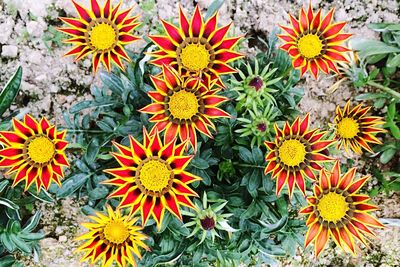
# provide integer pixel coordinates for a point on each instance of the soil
(52, 83)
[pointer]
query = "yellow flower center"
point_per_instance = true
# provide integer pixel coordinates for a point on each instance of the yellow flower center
(154, 175)
(347, 128)
(183, 105)
(116, 232)
(292, 152)
(102, 36)
(194, 57)
(332, 207)
(40, 149)
(309, 45)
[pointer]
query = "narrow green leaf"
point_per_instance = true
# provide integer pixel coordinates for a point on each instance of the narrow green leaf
(92, 151)
(10, 91)
(72, 184)
(245, 155)
(214, 7)
(387, 155)
(32, 222)
(8, 203)
(275, 227)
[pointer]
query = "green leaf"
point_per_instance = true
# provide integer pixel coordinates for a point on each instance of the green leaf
(254, 183)
(3, 185)
(112, 82)
(21, 245)
(368, 47)
(257, 155)
(387, 155)
(92, 150)
(32, 223)
(7, 261)
(72, 184)
(213, 8)
(10, 91)
(275, 227)
(8, 203)
(43, 195)
(6, 241)
(32, 236)
(394, 62)
(80, 106)
(395, 186)
(245, 155)
(98, 193)
(200, 163)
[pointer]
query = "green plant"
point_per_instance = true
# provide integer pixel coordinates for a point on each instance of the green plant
(386, 54)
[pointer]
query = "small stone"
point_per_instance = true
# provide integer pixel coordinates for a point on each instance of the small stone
(10, 51)
(34, 28)
(35, 57)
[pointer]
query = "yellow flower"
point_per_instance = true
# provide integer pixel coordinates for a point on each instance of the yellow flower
(152, 177)
(196, 47)
(183, 106)
(35, 152)
(112, 237)
(314, 42)
(355, 129)
(102, 32)
(337, 210)
(297, 152)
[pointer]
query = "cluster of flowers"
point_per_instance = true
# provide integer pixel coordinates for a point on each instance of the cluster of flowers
(152, 178)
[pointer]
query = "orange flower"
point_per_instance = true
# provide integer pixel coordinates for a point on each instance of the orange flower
(183, 106)
(196, 47)
(152, 177)
(35, 152)
(337, 210)
(102, 32)
(314, 42)
(296, 153)
(355, 129)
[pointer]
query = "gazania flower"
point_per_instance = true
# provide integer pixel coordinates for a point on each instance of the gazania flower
(208, 219)
(102, 32)
(337, 210)
(296, 153)
(314, 42)
(253, 86)
(34, 151)
(258, 124)
(196, 47)
(112, 237)
(182, 106)
(355, 129)
(152, 177)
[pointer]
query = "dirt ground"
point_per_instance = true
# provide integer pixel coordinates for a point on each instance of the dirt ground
(51, 84)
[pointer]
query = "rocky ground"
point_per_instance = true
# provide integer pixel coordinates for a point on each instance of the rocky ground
(52, 83)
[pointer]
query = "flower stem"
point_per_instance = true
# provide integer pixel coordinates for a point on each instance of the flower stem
(385, 88)
(82, 131)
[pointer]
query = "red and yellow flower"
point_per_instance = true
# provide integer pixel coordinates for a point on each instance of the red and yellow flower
(337, 210)
(102, 32)
(296, 153)
(152, 177)
(196, 48)
(34, 151)
(354, 129)
(182, 106)
(112, 237)
(314, 42)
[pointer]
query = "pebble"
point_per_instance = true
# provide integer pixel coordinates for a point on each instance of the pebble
(9, 51)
